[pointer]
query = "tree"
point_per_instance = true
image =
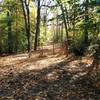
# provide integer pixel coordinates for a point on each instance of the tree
(37, 26)
(26, 13)
(9, 25)
(86, 23)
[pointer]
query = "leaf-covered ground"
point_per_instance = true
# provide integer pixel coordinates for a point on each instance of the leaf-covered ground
(51, 77)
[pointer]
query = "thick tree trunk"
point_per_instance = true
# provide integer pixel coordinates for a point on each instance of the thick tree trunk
(28, 28)
(37, 27)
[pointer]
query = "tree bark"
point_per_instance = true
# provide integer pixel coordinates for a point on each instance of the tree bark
(10, 41)
(86, 23)
(37, 26)
(26, 14)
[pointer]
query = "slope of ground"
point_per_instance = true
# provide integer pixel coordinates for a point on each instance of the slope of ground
(51, 77)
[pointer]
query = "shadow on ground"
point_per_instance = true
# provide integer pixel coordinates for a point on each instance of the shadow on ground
(53, 83)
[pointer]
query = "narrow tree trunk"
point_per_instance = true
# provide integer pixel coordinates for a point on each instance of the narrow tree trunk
(66, 28)
(62, 32)
(86, 23)
(54, 38)
(10, 41)
(26, 14)
(64, 18)
(57, 29)
(16, 42)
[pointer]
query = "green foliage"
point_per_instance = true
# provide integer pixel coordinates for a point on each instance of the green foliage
(75, 17)
(43, 39)
(78, 42)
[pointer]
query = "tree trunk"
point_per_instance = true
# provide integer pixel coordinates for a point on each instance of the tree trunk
(86, 23)
(64, 18)
(37, 26)
(16, 42)
(26, 14)
(28, 28)
(62, 33)
(10, 41)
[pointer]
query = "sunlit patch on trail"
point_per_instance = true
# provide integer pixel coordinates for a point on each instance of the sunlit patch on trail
(43, 63)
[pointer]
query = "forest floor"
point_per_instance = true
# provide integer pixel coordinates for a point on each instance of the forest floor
(50, 77)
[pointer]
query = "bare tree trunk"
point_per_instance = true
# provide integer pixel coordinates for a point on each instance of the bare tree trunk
(86, 23)
(66, 28)
(10, 41)
(53, 38)
(62, 33)
(37, 26)
(57, 29)
(26, 13)
(28, 28)
(64, 18)
(16, 43)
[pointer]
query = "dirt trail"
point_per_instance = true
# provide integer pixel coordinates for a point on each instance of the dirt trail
(51, 77)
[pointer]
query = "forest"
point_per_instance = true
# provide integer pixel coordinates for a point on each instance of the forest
(49, 49)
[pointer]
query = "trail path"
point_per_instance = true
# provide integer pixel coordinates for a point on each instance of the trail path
(51, 77)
